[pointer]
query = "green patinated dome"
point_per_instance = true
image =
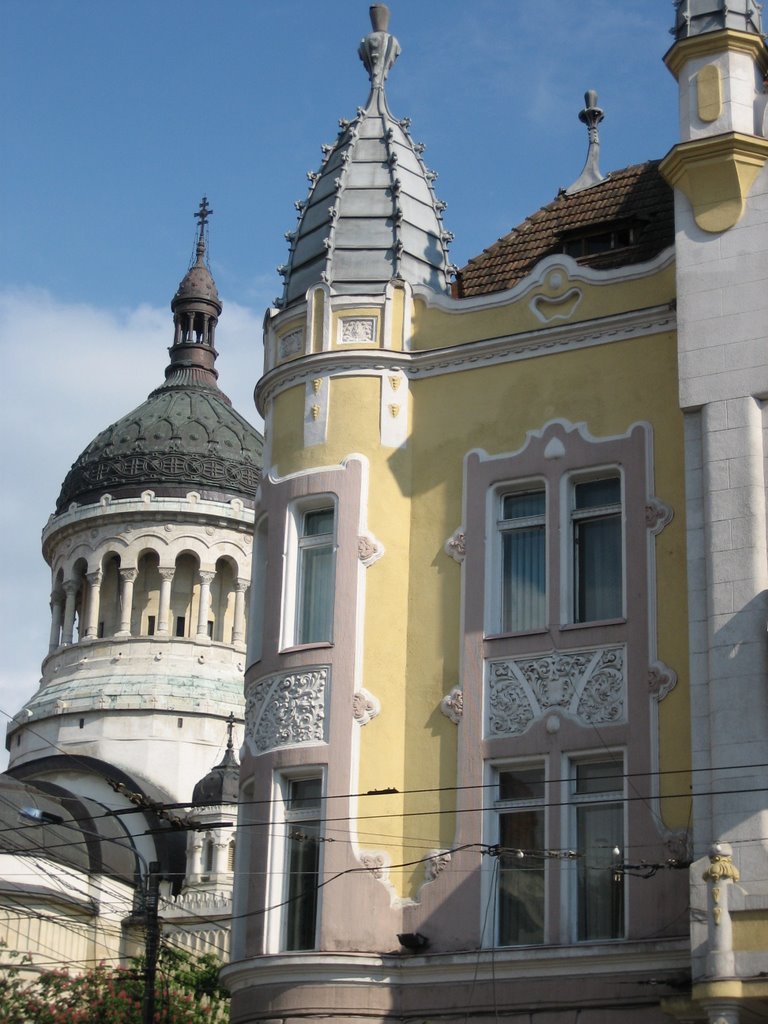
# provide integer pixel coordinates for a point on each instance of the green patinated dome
(186, 436)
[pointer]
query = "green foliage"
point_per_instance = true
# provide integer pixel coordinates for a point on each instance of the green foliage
(187, 992)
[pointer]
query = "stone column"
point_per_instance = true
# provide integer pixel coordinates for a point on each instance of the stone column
(720, 876)
(195, 858)
(94, 602)
(220, 852)
(206, 579)
(238, 629)
(164, 611)
(57, 618)
(127, 579)
(71, 588)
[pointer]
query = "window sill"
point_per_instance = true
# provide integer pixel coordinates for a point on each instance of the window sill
(539, 631)
(298, 648)
(592, 624)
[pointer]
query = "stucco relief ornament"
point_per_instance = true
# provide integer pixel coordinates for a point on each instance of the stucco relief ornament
(657, 515)
(437, 861)
(587, 685)
(365, 707)
(377, 863)
(369, 549)
(452, 705)
(455, 546)
(283, 710)
(661, 679)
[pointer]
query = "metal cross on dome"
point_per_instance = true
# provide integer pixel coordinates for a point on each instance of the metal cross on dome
(203, 213)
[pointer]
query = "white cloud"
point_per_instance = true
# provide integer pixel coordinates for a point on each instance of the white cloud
(69, 371)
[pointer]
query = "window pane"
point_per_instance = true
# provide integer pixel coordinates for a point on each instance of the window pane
(304, 793)
(599, 829)
(520, 506)
(523, 597)
(600, 777)
(522, 784)
(315, 594)
(317, 522)
(521, 879)
(596, 493)
(303, 861)
(598, 554)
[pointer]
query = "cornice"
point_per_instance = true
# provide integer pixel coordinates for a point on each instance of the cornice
(710, 44)
(233, 515)
(470, 355)
(352, 969)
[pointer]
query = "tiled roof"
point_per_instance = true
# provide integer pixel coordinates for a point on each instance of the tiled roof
(636, 197)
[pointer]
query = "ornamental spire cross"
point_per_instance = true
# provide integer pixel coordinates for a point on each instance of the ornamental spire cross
(202, 214)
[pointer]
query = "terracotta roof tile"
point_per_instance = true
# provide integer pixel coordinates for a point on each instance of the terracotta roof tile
(636, 197)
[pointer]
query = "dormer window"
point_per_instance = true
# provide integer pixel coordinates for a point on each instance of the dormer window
(593, 243)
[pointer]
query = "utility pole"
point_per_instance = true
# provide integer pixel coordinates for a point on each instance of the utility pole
(151, 906)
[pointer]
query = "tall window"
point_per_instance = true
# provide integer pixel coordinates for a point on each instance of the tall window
(314, 578)
(596, 522)
(596, 797)
(523, 559)
(521, 879)
(302, 862)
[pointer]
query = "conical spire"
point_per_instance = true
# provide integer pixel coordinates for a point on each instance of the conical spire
(196, 309)
(371, 216)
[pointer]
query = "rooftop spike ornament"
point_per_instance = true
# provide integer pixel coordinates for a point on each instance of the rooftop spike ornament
(591, 116)
(379, 50)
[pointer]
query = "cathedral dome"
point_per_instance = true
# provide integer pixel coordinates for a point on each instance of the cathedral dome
(371, 215)
(186, 436)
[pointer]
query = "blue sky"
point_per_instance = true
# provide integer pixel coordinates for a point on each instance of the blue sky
(119, 116)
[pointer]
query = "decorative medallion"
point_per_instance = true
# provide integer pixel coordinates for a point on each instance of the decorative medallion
(365, 707)
(437, 861)
(661, 679)
(657, 515)
(357, 330)
(455, 546)
(377, 863)
(589, 686)
(285, 710)
(369, 549)
(452, 705)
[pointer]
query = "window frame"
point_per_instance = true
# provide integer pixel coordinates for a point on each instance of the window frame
(499, 807)
(570, 519)
(293, 576)
(572, 802)
(280, 906)
(498, 528)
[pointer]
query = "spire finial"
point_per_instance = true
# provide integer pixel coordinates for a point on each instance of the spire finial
(202, 214)
(591, 116)
(230, 730)
(379, 50)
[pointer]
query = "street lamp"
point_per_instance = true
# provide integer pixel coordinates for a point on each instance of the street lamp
(151, 899)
